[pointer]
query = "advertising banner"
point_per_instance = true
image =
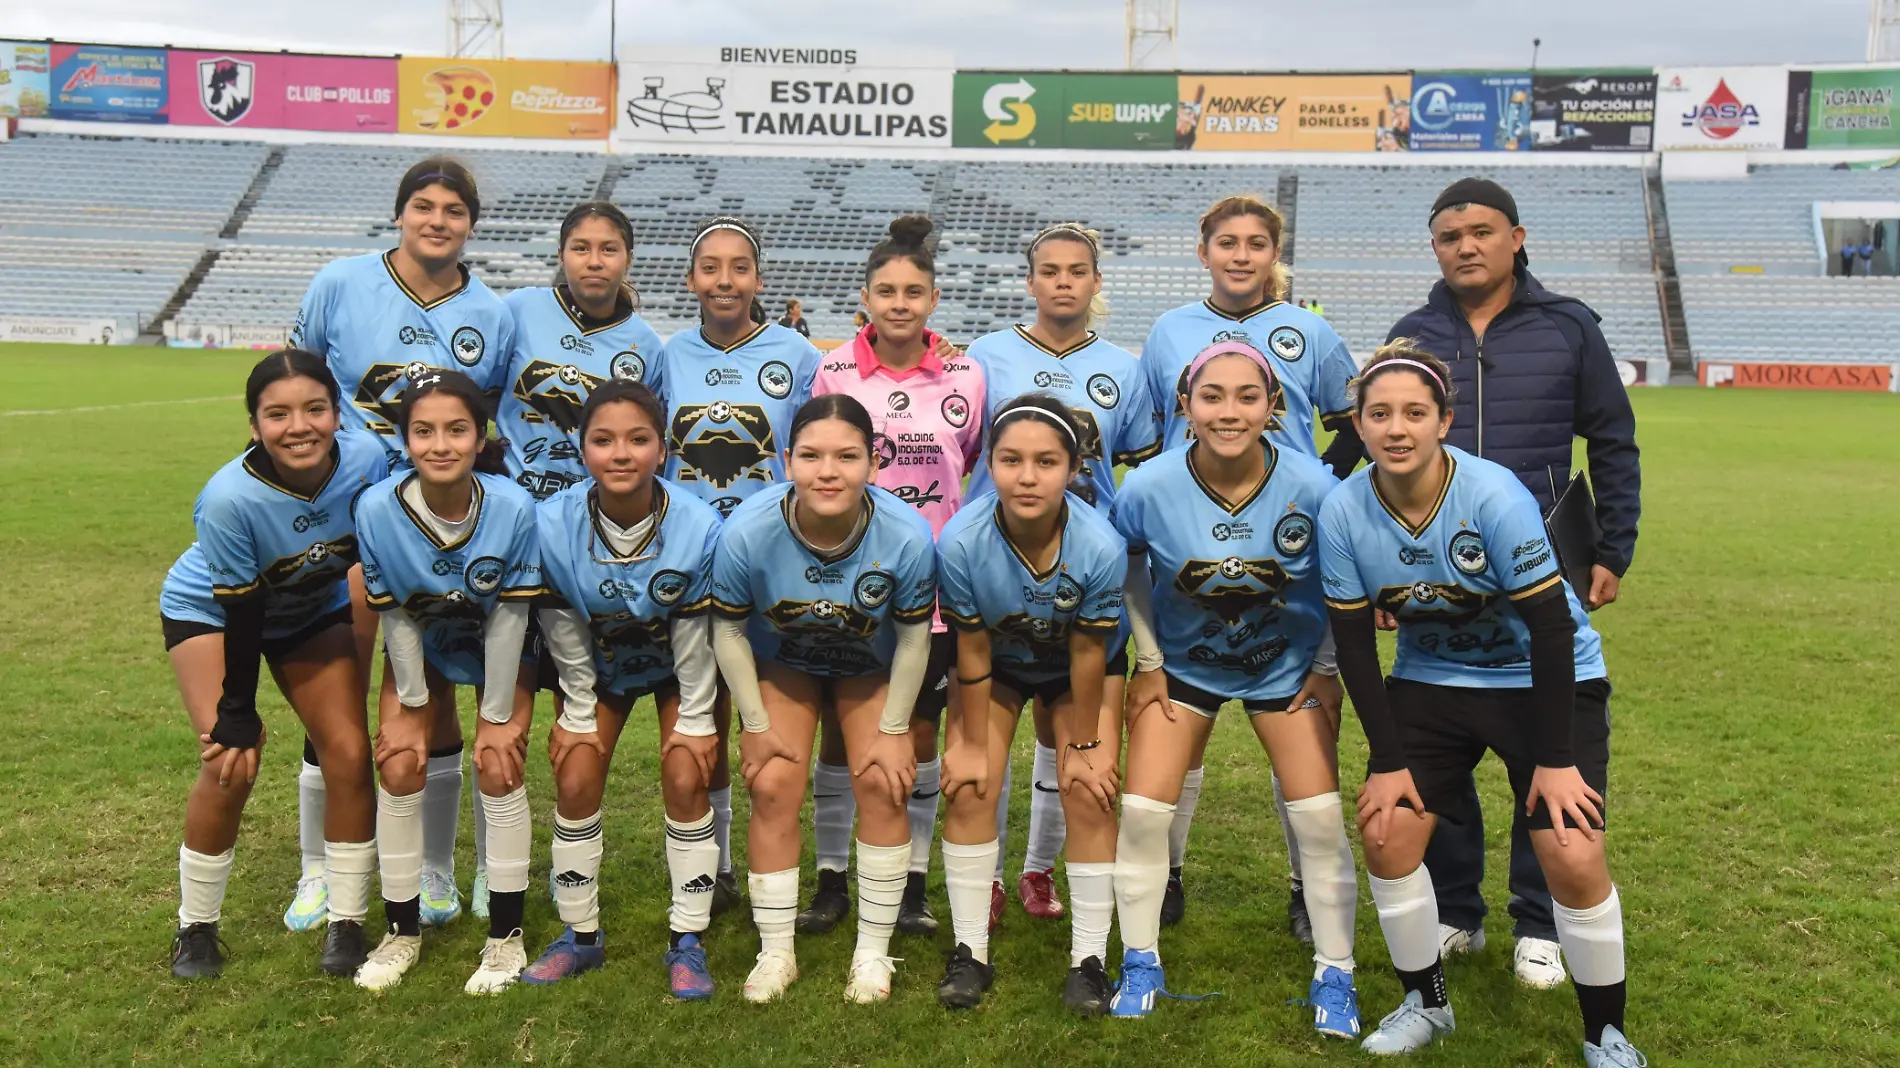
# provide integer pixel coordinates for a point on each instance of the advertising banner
(1042, 110)
(67, 331)
(194, 335)
(1860, 378)
(1593, 111)
(106, 83)
(283, 92)
(1471, 112)
(1721, 107)
(1843, 108)
(23, 77)
(785, 96)
(504, 98)
(1294, 112)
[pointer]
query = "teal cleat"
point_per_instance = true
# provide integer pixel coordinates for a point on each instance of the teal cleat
(478, 897)
(441, 902)
(310, 909)
(1614, 1051)
(1409, 1028)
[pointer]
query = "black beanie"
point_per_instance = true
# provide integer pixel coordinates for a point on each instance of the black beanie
(1481, 191)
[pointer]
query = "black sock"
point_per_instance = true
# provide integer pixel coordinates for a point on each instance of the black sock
(1175, 873)
(584, 938)
(1602, 1007)
(404, 916)
(449, 750)
(504, 912)
(310, 752)
(1429, 982)
(673, 938)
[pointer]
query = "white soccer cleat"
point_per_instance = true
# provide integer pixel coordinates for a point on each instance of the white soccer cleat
(771, 976)
(389, 961)
(1453, 941)
(1539, 963)
(870, 980)
(503, 961)
(1409, 1028)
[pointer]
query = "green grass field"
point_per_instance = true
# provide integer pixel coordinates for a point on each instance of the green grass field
(1753, 795)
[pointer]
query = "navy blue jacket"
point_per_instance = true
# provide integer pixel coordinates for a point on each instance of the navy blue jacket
(1542, 375)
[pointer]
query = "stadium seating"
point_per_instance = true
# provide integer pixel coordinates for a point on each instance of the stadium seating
(1763, 317)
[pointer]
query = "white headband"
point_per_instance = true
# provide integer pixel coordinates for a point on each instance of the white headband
(1402, 362)
(1047, 416)
(734, 227)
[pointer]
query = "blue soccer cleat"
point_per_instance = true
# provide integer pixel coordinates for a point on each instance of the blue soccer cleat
(1335, 1004)
(1141, 983)
(1614, 1051)
(686, 970)
(565, 958)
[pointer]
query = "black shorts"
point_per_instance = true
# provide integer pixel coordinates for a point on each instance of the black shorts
(275, 649)
(934, 695)
(1057, 688)
(1206, 703)
(1446, 730)
(659, 691)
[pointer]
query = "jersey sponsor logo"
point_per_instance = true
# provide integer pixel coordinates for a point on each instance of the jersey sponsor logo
(310, 519)
(1068, 595)
(554, 393)
(544, 484)
(1232, 587)
(1293, 533)
(724, 376)
(484, 574)
(666, 587)
(1035, 630)
(1531, 563)
(577, 343)
(1467, 552)
(725, 505)
(1415, 555)
(918, 496)
(468, 345)
(1103, 391)
(631, 645)
(873, 588)
(775, 378)
(416, 335)
(822, 618)
(1053, 380)
(610, 589)
(1439, 602)
(1251, 661)
(627, 366)
(1535, 545)
(319, 564)
(723, 443)
(956, 410)
(443, 565)
(1287, 343)
(898, 401)
(1231, 531)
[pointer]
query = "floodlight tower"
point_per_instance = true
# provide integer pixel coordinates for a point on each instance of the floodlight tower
(1883, 30)
(1152, 40)
(475, 29)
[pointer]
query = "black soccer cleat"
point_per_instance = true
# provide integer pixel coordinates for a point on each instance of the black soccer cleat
(345, 948)
(914, 916)
(1297, 921)
(197, 952)
(1087, 991)
(1174, 901)
(725, 893)
(829, 906)
(964, 980)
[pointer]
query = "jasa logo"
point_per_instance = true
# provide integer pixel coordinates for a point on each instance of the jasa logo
(1722, 115)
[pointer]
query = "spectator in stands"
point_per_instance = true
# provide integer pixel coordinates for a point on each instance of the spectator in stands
(1531, 371)
(1866, 253)
(1847, 257)
(795, 318)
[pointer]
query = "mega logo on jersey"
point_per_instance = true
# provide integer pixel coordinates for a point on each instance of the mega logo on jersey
(722, 443)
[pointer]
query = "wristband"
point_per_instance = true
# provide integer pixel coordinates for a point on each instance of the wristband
(961, 681)
(1083, 747)
(237, 727)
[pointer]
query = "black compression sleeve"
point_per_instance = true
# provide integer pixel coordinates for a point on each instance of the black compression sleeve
(1345, 452)
(1357, 648)
(1553, 674)
(239, 726)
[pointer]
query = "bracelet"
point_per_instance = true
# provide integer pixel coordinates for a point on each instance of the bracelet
(1083, 747)
(961, 681)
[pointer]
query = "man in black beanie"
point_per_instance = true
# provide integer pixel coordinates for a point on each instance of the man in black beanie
(1531, 372)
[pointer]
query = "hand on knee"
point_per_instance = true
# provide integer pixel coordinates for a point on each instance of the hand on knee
(401, 775)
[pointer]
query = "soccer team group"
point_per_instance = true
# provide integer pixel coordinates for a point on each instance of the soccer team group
(876, 557)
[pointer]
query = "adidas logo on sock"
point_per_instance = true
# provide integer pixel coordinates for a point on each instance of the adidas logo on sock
(701, 884)
(572, 880)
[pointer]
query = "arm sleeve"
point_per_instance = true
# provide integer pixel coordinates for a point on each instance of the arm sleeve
(1553, 674)
(565, 635)
(1359, 669)
(698, 674)
(402, 639)
(1141, 613)
(908, 665)
(741, 672)
(501, 659)
(1608, 426)
(239, 726)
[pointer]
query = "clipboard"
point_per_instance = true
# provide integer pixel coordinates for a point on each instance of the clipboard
(1572, 527)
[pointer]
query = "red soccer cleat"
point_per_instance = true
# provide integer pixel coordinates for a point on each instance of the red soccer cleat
(1038, 894)
(997, 900)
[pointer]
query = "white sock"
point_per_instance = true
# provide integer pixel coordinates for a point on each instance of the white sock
(1408, 914)
(1048, 830)
(1593, 941)
(1141, 870)
(881, 872)
(922, 809)
(692, 860)
(347, 867)
(310, 797)
(774, 907)
(966, 875)
(510, 840)
(832, 809)
(575, 858)
(441, 810)
(1184, 816)
(722, 825)
(481, 832)
(201, 880)
(1286, 828)
(1332, 888)
(1002, 821)
(399, 844)
(1091, 910)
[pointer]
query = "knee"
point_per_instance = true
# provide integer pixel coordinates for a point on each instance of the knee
(576, 790)
(344, 760)
(777, 791)
(401, 775)
(679, 780)
(228, 796)
(1573, 874)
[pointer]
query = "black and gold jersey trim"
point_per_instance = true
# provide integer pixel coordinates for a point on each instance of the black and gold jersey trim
(524, 593)
(1348, 606)
(1235, 507)
(1141, 455)
(623, 310)
(474, 514)
(236, 593)
(1023, 332)
(1336, 420)
(379, 601)
(1241, 317)
(661, 501)
(1531, 591)
(1100, 626)
(1451, 472)
(389, 264)
(1055, 565)
(258, 464)
(737, 345)
(850, 545)
(963, 622)
(918, 616)
(697, 608)
(731, 611)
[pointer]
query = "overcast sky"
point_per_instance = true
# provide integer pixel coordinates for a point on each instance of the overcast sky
(1215, 34)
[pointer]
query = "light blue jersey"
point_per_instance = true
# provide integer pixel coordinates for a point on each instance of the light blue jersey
(1451, 581)
(1100, 383)
(629, 602)
(377, 336)
(256, 535)
(826, 615)
(989, 585)
(556, 364)
(1308, 356)
(1239, 609)
(730, 409)
(450, 589)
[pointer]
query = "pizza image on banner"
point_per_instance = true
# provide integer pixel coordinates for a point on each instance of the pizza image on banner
(457, 97)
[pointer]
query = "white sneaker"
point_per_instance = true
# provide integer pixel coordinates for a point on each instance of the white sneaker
(1455, 940)
(870, 980)
(389, 961)
(503, 961)
(310, 909)
(1409, 1028)
(1539, 963)
(771, 976)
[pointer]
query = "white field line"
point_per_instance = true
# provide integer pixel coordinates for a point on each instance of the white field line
(113, 407)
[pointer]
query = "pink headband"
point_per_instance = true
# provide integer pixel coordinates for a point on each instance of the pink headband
(1232, 348)
(1429, 373)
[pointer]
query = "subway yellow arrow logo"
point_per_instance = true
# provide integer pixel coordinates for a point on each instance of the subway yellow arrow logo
(1012, 117)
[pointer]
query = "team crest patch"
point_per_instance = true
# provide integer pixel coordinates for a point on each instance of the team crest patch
(468, 345)
(667, 587)
(775, 378)
(1287, 343)
(609, 589)
(1068, 595)
(886, 450)
(627, 366)
(1293, 534)
(226, 88)
(1467, 552)
(873, 589)
(483, 575)
(1104, 391)
(956, 410)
